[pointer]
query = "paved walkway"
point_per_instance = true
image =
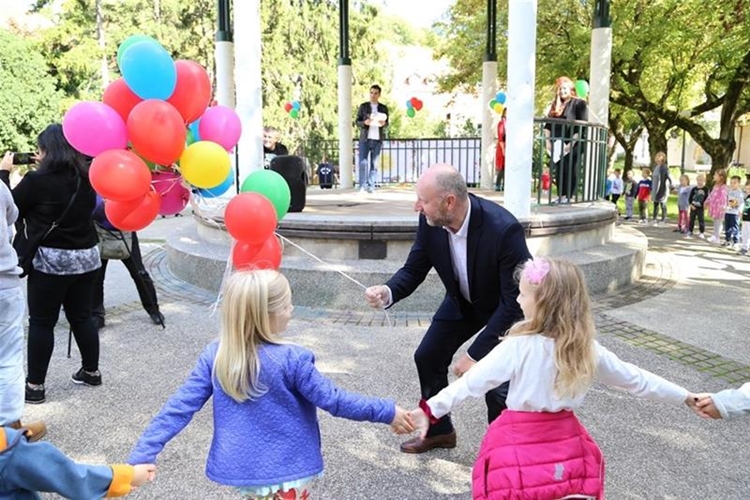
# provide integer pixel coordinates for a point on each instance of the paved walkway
(685, 320)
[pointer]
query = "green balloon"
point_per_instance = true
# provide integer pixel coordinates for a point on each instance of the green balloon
(190, 137)
(271, 185)
(582, 88)
(130, 41)
(410, 112)
(294, 113)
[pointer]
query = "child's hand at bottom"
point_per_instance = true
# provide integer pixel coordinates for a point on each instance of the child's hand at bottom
(402, 423)
(421, 421)
(705, 407)
(142, 474)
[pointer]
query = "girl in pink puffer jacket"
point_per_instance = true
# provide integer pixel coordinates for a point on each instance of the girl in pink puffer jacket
(537, 449)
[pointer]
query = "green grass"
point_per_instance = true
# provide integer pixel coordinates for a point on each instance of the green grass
(672, 210)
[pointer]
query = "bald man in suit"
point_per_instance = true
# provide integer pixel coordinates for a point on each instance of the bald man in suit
(475, 247)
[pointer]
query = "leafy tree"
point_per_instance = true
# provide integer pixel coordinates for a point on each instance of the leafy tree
(672, 60)
(28, 100)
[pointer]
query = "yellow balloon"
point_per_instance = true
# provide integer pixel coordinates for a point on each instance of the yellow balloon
(499, 108)
(205, 164)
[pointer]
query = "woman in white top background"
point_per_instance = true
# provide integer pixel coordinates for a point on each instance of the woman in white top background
(537, 447)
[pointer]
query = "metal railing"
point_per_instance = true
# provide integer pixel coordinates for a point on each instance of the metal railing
(577, 159)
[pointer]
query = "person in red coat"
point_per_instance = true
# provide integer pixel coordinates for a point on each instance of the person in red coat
(500, 154)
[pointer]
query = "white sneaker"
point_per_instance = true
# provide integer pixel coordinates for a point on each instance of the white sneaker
(713, 240)
(655, 223)
(701, 236)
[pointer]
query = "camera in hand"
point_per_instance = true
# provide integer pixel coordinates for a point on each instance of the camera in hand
(23, 158)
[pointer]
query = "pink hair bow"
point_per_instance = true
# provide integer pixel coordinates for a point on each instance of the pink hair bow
(535, 270)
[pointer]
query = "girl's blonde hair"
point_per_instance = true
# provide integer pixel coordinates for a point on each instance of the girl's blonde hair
(563, 313)
(660, 156)
(250, 300)
(558, 106)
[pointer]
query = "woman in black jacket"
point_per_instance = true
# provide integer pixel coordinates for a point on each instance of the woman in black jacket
(65, 265)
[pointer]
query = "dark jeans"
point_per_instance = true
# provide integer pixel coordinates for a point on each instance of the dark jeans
(500, 180)
(46, 293)
(732, 227)
(141, 278)
(433, 358)
(566, 171)
(663, 206)
(697, 213)
(368, 148)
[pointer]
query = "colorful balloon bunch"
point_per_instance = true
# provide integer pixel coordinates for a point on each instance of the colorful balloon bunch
(293, 107)
(412, 106)
(498, 103)
(264, 194)
(582, 88)
(140, 126)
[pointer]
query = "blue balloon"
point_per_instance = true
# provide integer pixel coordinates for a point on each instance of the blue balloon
(194, 129)
(296, 105)
(218, 190)
(500, 97)
(149, 70)
(409, 105)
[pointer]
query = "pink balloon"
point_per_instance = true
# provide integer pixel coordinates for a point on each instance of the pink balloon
(221, 125)
(174, 196)
(93, 127)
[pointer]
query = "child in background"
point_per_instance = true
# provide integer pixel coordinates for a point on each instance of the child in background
(552, 358)
(683, 204)
(659, 190)
(727, 404)
(608, 185)
(630, 189)
(28, 468)
(697, 201)
(717, 203)
(265, 397)
(735, 200)
(644, 194)
(746, 221)
(616, 188)
(546, 182)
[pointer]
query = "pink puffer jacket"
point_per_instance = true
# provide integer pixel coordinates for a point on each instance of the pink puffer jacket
(537, 456)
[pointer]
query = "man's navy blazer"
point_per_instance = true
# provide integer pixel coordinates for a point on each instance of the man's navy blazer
(496, 246)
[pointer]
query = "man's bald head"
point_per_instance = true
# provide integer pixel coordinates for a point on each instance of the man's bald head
(445, 179)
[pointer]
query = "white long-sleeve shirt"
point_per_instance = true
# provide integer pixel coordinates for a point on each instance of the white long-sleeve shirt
(732, 403)
(528, 362)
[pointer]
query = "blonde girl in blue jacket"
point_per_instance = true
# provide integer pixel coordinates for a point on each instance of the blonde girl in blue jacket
(266, 392)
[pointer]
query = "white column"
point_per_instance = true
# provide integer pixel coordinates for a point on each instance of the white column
(489, 89)
(601, 62)
(519, 144)
(346, 160)
(247, 30)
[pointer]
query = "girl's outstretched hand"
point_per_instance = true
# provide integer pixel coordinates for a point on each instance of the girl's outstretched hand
(142, 474)
(705, 406)
(421, 421)
(402, 423)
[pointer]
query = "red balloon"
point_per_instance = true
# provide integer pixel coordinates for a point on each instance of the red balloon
(119, 97)
(157, 131)
(265, 256)
(418, 104)
(288, 107)
(193, 91)
(119, 175)
(250, 218)
(133, 215)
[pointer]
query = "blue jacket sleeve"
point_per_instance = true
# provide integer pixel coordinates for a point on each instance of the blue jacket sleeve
(177, 412)
(414, 270)
(42, 467)
(324, 394)
(513, 252)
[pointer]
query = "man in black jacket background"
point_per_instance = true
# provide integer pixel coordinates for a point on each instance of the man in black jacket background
(372, 120)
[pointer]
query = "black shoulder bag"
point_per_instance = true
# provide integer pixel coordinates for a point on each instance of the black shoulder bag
(26, 246)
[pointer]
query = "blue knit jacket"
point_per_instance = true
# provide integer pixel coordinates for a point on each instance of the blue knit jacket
(272, 439)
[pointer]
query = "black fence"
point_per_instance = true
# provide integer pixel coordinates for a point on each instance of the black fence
(574, 154)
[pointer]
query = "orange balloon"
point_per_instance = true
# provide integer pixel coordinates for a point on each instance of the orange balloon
(157, 131)
(133, 215)
(119, 97)
(250, 256)
(193, 91)
(118, 174)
